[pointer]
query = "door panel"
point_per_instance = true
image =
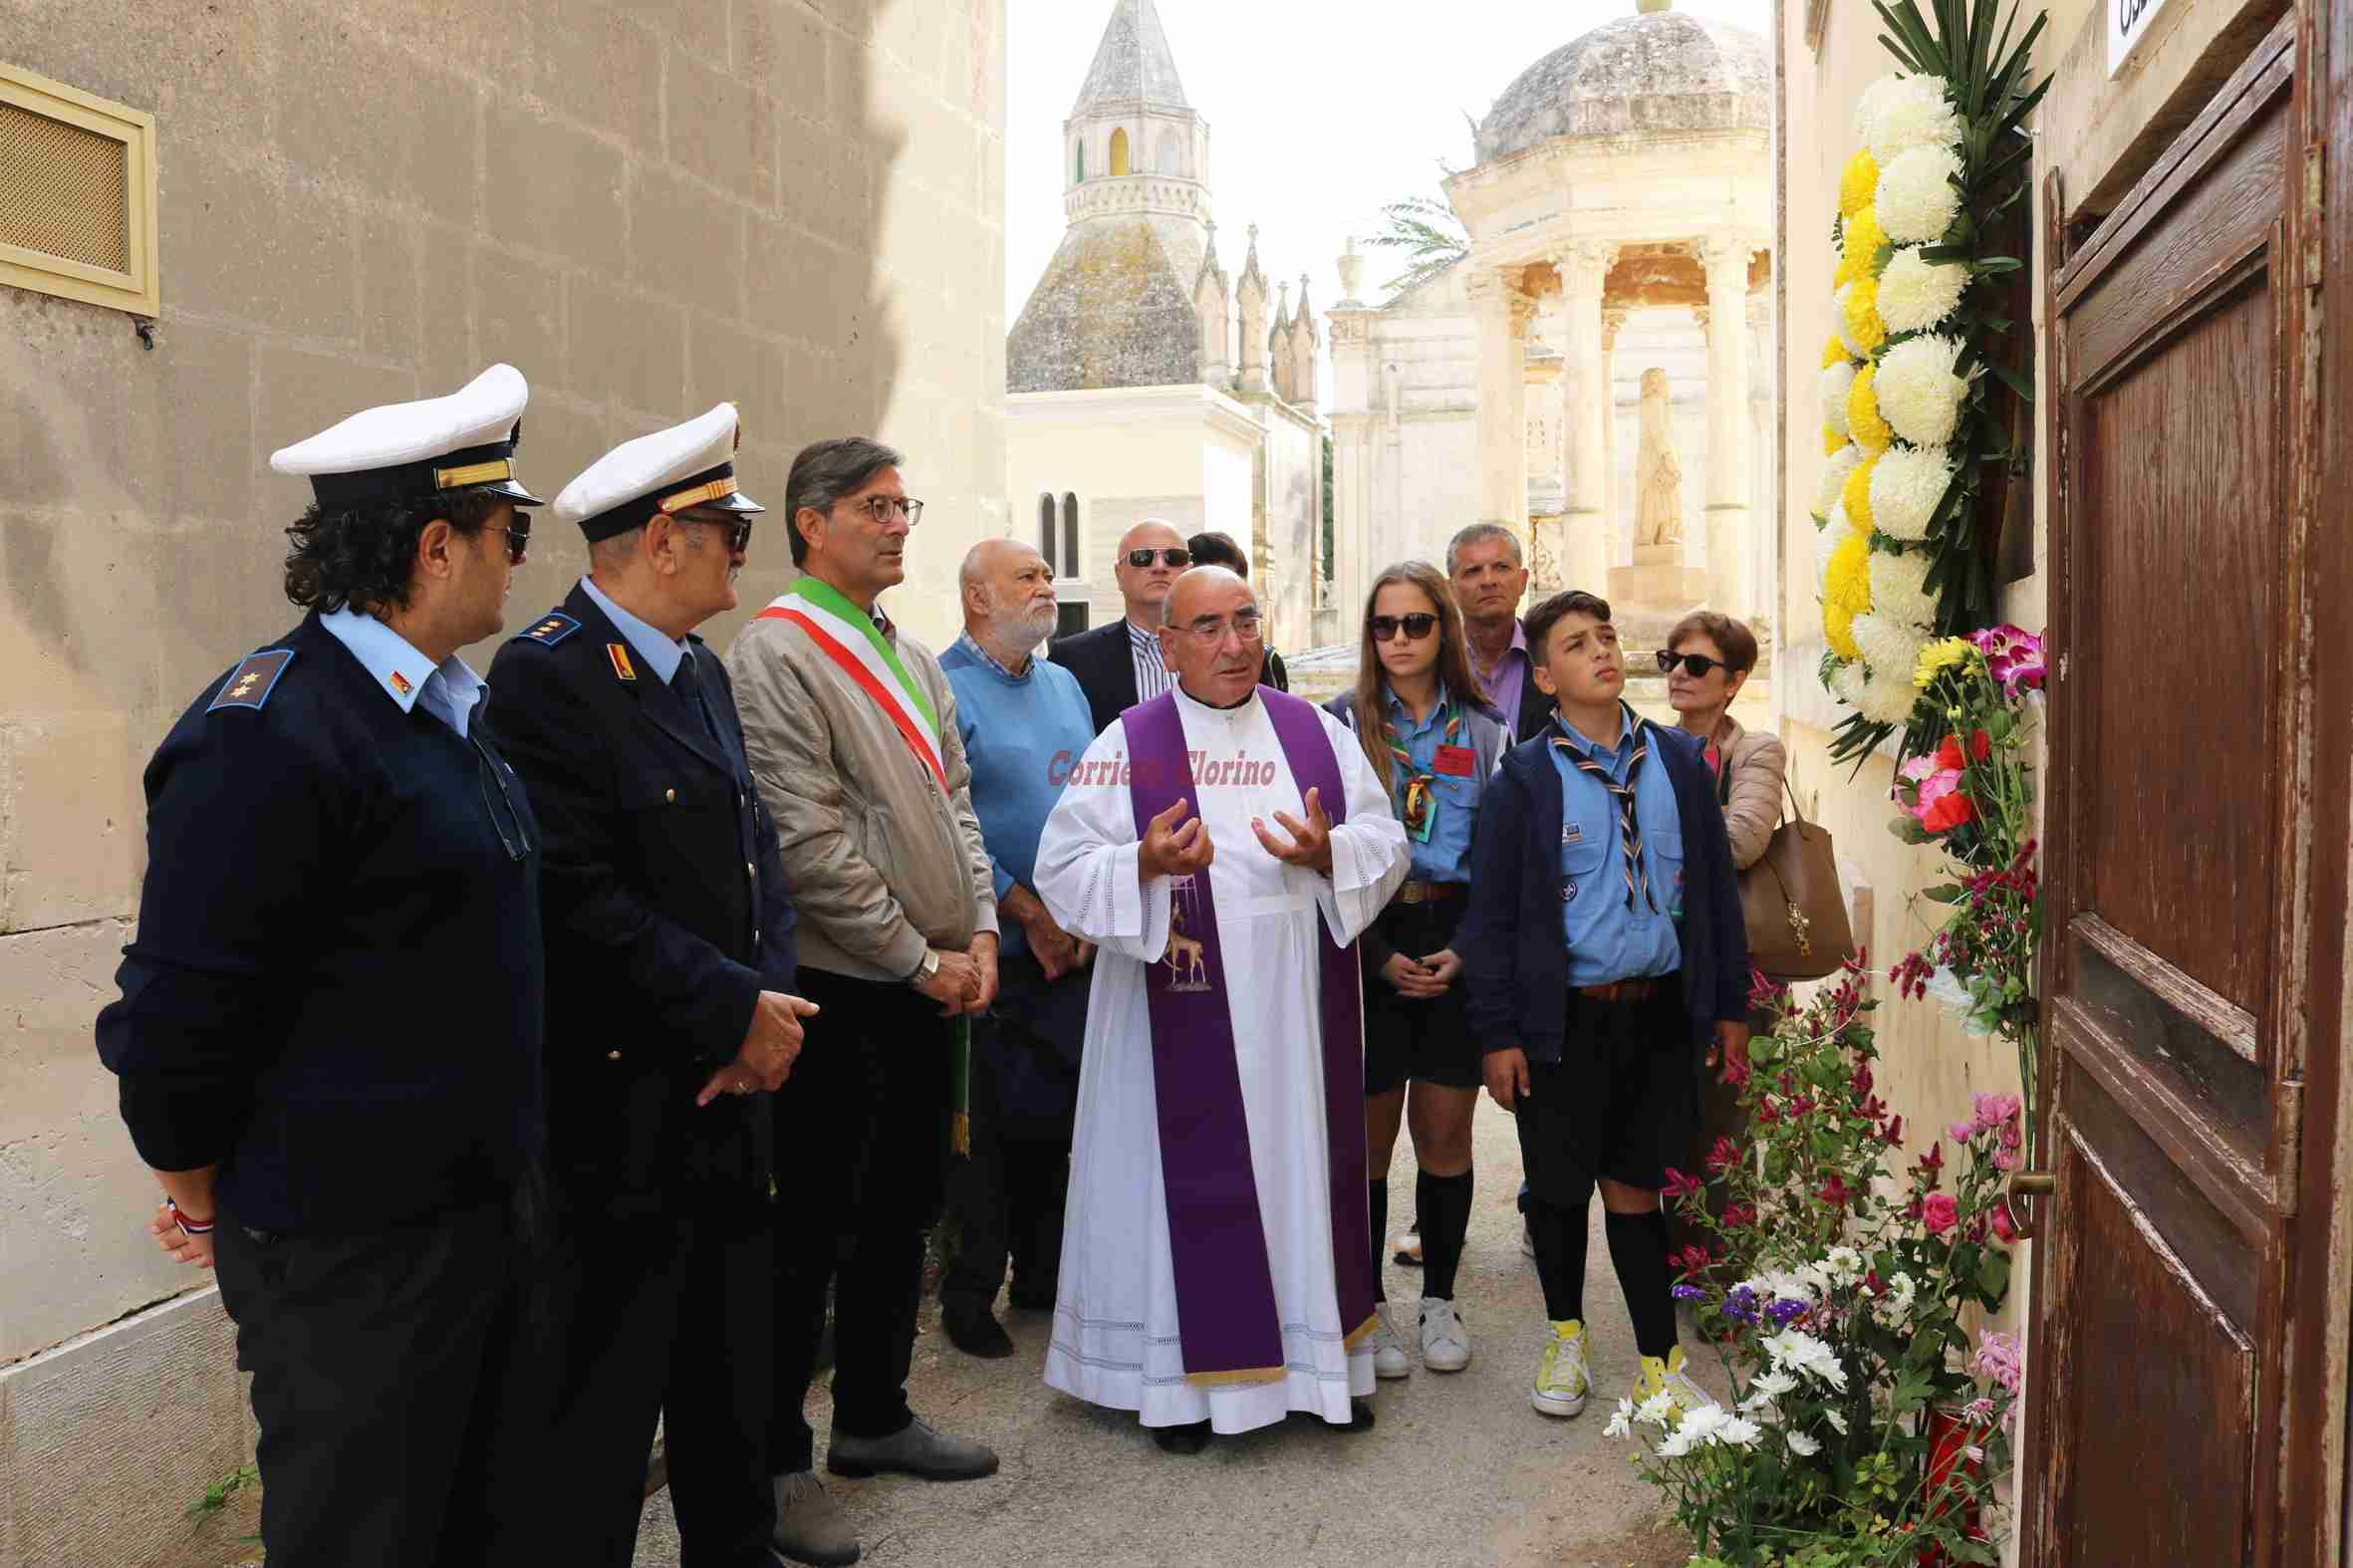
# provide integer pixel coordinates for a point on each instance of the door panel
(2158, 1329)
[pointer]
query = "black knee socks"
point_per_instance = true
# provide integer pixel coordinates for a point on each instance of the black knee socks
(1380, 1196)
(1559, 1231)
(1444, 1203)
(1638, 1246)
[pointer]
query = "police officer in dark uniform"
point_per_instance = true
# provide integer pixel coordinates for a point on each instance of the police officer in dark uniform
(329, 1029)
(670, 961)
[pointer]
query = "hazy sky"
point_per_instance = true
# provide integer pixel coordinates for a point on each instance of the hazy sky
(1319, 110)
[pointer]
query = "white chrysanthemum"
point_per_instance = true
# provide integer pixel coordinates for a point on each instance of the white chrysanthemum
(1915, 293)
(1898, 589)
(1740, 1431)
(1836, 1419)
(1891, 647)
(1835, 470)
(1654, 1411)
(1906, 484)
(1838, 317)
(1916, 200)
(1912, 112)
(1919, 392)
(1826, 545)
(1622, 1423)
(1845, 1264)
(1895, 1307)
(1802, 1446)
(1837, 380)
(1887, 700)
(1866, 103)
(1846, 684)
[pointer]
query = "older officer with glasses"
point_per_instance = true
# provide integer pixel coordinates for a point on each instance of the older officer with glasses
(328, 1032)
(1120, 664)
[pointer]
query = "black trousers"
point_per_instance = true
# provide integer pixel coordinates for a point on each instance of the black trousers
(860, 1129)
(394, 1389)
(664, 1314)
(1007, 1199)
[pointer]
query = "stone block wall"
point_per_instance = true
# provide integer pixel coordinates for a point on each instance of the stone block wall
(794, 204)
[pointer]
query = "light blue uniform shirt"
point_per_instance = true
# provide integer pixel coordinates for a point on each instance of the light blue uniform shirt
(1446, 857)
(661, 651)
(1605, 939)
(448, 690)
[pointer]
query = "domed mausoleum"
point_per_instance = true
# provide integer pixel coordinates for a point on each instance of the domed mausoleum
(1619, 208)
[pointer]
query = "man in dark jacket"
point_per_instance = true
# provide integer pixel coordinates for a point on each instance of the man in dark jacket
(1118, 665)
(1603, 948)
(670, 967)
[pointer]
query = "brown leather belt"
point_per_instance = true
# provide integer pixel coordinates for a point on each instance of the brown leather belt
(1623, 990)
(1429, 891)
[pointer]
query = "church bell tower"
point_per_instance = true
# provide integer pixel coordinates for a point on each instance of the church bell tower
(1132, 147)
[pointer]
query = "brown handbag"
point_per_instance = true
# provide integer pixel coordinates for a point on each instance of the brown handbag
(1792, 899)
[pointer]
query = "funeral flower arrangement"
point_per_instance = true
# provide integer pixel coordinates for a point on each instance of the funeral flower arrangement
(1915, 423)
(1868, 1421)
(1973, 796)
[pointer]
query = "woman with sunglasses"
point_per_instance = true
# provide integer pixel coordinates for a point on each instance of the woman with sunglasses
(1430, 735)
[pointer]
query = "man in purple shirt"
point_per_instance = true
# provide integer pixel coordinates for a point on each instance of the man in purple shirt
(1483, 563)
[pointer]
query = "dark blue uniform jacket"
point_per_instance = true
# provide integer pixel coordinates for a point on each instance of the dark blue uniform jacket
(334, 990)
(666, 908)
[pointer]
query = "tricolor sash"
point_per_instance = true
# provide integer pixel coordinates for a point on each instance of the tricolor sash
(1228, 1326)
(849, 636)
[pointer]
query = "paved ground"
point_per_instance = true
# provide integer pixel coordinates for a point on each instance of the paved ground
(1460, 1473)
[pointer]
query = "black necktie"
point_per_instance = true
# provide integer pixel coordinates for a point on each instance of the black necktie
(690, 687)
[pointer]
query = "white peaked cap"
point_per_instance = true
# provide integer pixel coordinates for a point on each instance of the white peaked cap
(687, 465)
(406, 450)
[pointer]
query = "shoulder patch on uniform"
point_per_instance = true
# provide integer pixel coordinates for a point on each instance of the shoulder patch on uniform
(250, 683)
(549, 629)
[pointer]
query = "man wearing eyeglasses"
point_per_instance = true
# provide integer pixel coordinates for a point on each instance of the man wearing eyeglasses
(1120, 664)
(851, 729)
(670, 960)
(330, 1024)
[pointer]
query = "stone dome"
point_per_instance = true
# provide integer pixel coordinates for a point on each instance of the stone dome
(1660, 71)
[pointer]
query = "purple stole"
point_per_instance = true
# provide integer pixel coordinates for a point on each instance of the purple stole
(1229, 1329)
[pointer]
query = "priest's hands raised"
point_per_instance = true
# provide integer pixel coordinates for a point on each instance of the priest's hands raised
(1311, 841)
(1169, 849)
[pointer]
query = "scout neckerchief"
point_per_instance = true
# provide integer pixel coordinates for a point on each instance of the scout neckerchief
(849, 636)
(1638, 881)
(1418, 799)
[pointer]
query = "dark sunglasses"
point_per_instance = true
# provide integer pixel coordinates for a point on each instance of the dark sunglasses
(1142, 558)
(1694, 665)
(518, 538)
(1416, 626)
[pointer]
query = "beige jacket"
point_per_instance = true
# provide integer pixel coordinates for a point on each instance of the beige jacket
(1755, 763)
(879, 864)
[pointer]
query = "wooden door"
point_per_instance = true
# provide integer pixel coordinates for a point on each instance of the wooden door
(2180, 815)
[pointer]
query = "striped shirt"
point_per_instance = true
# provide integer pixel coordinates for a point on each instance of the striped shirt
(1152, 676)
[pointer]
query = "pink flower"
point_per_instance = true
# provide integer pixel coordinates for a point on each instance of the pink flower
(2003, 1226)
(1678, 1184)
(1939, 1212)
(1834, 1192)
(1961, 1132)
(1993, 1110)
(2007, 1160)
(1935, 785)
(1998, 1358)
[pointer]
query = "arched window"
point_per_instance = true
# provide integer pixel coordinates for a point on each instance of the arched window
(1070, 534)
(1046, 532)
(1082, 179)
(1118, 151)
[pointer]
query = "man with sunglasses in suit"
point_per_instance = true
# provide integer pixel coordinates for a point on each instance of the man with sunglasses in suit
(671, 1007)
(1118, 665)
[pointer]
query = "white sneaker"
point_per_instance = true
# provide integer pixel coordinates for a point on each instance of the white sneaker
(1445, 1343)
(1562, 1378)
(1388, 1352)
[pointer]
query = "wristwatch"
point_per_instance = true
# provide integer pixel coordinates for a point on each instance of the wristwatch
(926, 969)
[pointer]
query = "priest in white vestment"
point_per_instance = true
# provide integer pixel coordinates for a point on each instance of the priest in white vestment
(1221, 1092)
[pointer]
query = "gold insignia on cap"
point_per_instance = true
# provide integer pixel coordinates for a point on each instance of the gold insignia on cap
(472, 473)
(697, 496)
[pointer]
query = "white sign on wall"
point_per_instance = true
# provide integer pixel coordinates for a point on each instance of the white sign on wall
(2131, 24)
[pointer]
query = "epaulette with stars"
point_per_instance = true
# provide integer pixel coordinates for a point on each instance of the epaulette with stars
(549, 629)
(249, 684)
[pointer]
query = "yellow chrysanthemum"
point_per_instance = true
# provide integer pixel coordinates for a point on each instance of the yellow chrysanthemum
(1856, 495)
(1938, 657)
(1838, 630)
(1858, 247)
(1858, 183)
(1833, 352)
(1862, 314)
(1831, 442)
(1868, 430)
(1846, 579)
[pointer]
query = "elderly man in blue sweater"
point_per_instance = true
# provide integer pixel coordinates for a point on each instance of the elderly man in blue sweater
(1024, 724)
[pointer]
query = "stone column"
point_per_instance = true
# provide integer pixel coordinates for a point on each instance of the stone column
(1730, 553)
(1585, 548)
(1498, 308)
(1613, 517)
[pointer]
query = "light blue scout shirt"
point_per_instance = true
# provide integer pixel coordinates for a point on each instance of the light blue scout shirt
(1446, 857)
(448, 689)
(1605, 939)
(657, 649)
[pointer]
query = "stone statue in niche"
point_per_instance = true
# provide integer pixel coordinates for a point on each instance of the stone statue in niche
(1658, 475)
